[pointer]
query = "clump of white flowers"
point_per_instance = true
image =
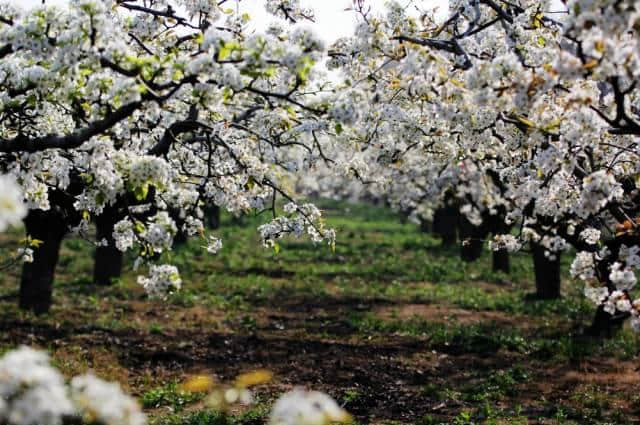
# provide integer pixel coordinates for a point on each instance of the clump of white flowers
(25, 255)
(123, 234)
(590, 235)
(596, 294)
(583, 266)
(288, 9)
(162, 280)
(148, 170)
(213, 245)
(302, 219)
(160, 232)
(302, 407)
(12, 208)
(31, 391)
(103, 401)
(505, 242)
(622, 277)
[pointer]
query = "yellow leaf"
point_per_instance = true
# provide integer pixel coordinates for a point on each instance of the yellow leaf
(526, 122)
(591, 64)
(599, 46)
(256, 377)
(199, 383)
(35, 243)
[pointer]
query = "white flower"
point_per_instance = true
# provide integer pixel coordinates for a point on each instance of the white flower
(162, 280)
(25, 255)
(105, 402)
(616, 299)
(505, 242)
(214, 245)
(123, 234)
(301, 407)
(32, 391)
(583, 266)
(596, 295)
(623, 278)
(290, 207)
(590, 235)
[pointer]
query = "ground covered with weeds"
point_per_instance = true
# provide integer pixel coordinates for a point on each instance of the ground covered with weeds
(394, 327)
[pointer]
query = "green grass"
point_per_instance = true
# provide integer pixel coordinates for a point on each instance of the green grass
(169, 395)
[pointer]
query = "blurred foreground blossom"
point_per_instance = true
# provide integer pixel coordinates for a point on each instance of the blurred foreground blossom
(302, 407)
(12, 208)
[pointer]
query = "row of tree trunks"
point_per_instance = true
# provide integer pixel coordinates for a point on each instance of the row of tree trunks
(449, 224)
(50, 227)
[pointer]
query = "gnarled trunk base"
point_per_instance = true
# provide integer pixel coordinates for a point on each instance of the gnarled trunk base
(472, 238)
(36, 284)
(445, 223)
(547, 273)
(212, 216)
(501, 261)
(108, 258)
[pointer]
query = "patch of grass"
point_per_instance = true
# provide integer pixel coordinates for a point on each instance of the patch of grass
(254, 416)
(170, 395)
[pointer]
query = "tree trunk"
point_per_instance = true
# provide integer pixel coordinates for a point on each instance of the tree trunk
(212, 216)
(36, 284)
(108, 258)
(445, 223)
(605, 324)
(501, 261)
(547, 274)
(472, 238)
(497, 226)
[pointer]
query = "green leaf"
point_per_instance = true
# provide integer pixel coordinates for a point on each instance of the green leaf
(139, 226)
(141, 192)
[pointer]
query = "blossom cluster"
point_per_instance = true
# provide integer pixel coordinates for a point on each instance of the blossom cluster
(32, 392)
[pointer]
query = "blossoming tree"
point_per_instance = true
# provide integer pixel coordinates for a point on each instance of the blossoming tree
(518, 110)
(137, 114)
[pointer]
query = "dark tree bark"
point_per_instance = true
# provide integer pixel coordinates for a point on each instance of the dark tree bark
(445, 223)
(472, 238)
(547, 274)
(501, 261)
(36, 284)
(108, 259)
(605, 324)
(497, 226)
(180, 237)
(212, 216)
